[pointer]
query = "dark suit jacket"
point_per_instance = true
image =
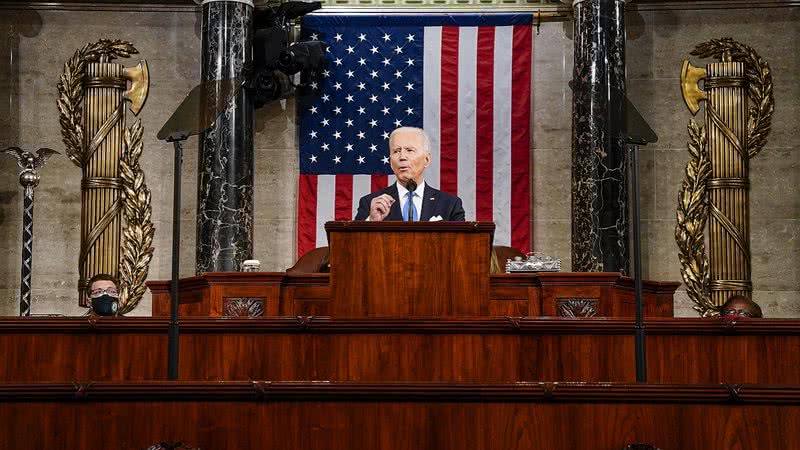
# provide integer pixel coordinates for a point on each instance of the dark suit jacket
(434, 203)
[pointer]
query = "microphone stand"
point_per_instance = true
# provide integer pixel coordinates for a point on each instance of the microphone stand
(172, 339)
(641, 360)
(195, 115)
(637, 132)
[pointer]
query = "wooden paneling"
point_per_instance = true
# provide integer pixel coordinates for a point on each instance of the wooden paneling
(760, 351)
(82, 349)
(406, 357)
(397, 269)
(299, 416)
(508, 295)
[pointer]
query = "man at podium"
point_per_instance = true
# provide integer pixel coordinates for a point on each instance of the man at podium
(410, 198)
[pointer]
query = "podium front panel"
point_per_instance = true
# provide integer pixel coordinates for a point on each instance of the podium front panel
(397, 269)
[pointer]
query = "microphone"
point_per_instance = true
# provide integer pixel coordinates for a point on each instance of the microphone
(411, 185)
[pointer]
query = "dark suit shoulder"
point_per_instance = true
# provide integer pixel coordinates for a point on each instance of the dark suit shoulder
(446, 205)
(440, 194)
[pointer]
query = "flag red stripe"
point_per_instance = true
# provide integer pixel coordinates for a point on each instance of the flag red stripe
(448, 127)
(520, 139)
(484, 146)
(485, 165)
(306, 214)
(344, 197)
(379, 182)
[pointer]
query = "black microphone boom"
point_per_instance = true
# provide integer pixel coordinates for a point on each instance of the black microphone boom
(411, 185)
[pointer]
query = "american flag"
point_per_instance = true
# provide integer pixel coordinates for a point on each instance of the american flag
(464, 78)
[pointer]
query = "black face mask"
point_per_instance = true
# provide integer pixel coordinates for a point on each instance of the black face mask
(105, 305)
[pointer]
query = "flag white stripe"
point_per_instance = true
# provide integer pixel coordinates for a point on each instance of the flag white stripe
(326, 205)
(362, 185)
(501, 184)
(431, 109)
(467, 78)
(392, 179)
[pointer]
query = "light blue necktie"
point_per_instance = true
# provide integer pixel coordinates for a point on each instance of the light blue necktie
(410, 211)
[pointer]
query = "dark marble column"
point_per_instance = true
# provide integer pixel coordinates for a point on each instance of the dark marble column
(599, 192)
(225, 162)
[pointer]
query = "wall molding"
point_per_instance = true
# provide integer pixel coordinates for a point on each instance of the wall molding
(367, 6)
(141, 6)
(662, 5)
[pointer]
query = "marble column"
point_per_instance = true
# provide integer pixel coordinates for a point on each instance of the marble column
(225, 162)
(599, 190)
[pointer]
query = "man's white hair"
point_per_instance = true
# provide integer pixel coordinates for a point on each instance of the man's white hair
(426, 142)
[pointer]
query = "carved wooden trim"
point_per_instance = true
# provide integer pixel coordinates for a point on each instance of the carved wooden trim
(243, 306)
(248, 278)
(498, 280)
(402, 392)
(505, 325)
(576, 307)
(267, 278)
(307, 279)
(362, 226)
(216, 278)
(578, 278)
(514, 280)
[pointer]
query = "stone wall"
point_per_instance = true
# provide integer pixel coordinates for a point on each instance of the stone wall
(35, 44)
(658, 42)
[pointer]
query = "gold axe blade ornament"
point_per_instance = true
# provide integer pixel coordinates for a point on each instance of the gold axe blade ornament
(92, 94)
(716, 189)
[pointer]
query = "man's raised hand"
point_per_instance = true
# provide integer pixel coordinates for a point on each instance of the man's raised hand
(379, 207)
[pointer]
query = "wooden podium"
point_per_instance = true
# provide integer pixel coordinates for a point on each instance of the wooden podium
(400, 269)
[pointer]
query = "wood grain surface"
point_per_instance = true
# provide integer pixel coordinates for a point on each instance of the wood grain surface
(763, 351)
(398, 269)
(535, 294)
(263, 415)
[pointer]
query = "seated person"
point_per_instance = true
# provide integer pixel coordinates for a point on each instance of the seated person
(409, 154)
(739, 306)
(103, 294)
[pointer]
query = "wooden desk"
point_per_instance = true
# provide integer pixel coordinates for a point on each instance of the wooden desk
(477, 350)
(392, 416)
(604, 294)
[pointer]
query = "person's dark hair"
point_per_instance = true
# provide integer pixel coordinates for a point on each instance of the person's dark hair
(100, 277)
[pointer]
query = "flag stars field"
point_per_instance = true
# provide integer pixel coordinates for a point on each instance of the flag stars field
(406, 70)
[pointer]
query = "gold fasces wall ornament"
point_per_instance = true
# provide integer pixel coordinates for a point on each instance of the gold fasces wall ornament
(92, 94)
(716, 188)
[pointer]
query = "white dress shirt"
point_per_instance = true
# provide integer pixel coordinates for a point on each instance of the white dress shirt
(402, 192)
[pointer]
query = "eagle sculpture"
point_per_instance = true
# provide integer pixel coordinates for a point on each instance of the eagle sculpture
(29, 161)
